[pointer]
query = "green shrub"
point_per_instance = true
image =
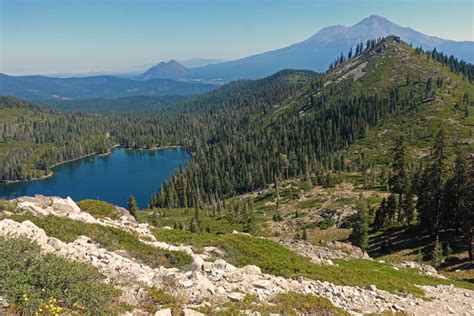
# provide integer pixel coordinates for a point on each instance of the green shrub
(99, 209)
(110, 238)
(349, 221)
(6, 205)
(313, 202)
(287, 303)
(264, 197)
(160, 296)
(322, 224)
(31, 280)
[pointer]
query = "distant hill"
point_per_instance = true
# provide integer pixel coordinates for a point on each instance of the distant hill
(166, 70)
(317, 52)
(104, 87)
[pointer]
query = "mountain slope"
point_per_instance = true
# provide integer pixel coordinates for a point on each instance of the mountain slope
(430, 96)
(418, 95)
(166, 70)
(107, 87)
(317, 52)
(246, 143)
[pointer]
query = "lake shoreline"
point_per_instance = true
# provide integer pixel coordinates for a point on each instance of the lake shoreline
(109, 152)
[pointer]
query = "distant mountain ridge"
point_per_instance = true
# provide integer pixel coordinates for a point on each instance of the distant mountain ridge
(172, 78)
(199, 62)
(105, 87)
(166, 70)
(318, 51)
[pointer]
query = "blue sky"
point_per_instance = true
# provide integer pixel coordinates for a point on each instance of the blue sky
(77, 36)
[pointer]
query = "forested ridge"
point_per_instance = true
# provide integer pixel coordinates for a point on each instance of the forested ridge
(33, 137)
(126, 104)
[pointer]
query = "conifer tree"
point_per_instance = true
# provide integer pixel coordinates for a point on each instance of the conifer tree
(132, 206)
(399, 178)
(453, 192)
(360, 235)
(430, 197)
(391, 210)
(381, 217)
(409, 210)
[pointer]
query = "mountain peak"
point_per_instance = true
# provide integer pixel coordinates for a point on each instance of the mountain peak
(373, 26)
(166, 70)
(375, 18)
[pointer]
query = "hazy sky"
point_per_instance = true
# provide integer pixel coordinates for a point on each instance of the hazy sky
(73, 36)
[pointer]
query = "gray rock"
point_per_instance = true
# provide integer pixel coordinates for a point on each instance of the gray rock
(163, 312)
(371, 287)
(214, 250)
(190, 312)
(187, 283)
(263, 284)
(236, 297)
(252, 270)
(250, 313)
(125, 213)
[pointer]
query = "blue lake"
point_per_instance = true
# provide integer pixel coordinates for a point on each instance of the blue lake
(110, 178)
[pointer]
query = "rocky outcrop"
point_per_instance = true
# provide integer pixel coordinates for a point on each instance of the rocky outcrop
(56, 206)
(324, 253)
(43, 206)
(424, 268)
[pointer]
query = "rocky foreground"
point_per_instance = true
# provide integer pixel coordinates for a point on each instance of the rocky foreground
(209, 280)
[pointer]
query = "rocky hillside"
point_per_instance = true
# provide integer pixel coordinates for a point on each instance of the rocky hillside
(163, 271)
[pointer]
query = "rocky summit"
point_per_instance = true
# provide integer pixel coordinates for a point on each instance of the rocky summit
(207, 282)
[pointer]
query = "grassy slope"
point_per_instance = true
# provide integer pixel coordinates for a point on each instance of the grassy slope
(214, 224)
